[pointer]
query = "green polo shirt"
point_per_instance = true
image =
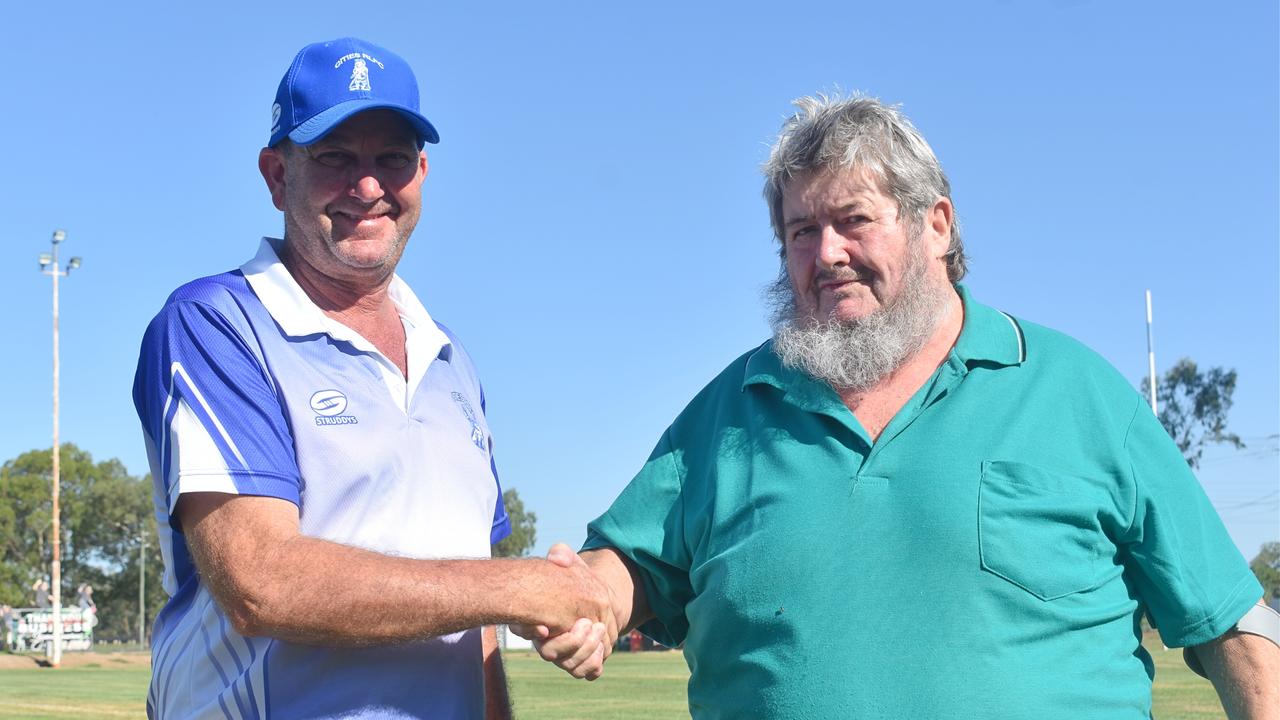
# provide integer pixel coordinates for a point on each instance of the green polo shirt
(990, 556)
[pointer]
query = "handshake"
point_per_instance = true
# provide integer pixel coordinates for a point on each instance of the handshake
(590, 603)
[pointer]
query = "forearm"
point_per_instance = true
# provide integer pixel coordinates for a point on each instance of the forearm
(272, 581)
(316, 592)
(497, 700)
(1245, 670)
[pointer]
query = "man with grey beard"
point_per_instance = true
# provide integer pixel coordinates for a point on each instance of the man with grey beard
(908, 504)
(857, 352)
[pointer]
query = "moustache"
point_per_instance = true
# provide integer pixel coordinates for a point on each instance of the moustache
(381, 207)
(842, 275)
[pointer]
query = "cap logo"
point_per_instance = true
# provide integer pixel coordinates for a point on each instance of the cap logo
(359, 70)
(360, 77)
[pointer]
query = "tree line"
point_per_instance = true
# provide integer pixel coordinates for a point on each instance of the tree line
(106, 517)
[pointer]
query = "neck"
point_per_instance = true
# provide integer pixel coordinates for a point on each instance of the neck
(875, 406)
(337, 294)
(364, 305)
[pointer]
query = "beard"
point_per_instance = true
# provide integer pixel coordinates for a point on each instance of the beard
(856, 354)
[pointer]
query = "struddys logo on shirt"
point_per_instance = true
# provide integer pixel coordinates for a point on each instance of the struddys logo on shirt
(329, 406)
(477, 434)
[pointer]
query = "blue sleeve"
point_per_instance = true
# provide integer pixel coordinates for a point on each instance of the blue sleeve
(210, 413)
(501, 521)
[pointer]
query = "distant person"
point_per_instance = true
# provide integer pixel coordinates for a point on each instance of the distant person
(908, 504)
(88, 608)
(8, 622)
(84, 597)
(326, 489)
(41, 589)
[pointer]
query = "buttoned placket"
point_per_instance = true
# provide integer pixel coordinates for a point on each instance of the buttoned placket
(398, 388)
(948, 375)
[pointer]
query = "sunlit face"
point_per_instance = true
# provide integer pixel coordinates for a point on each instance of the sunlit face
(352, 198)
(847, 249)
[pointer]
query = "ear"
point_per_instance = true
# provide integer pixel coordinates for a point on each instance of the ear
(937, 227)
(423, 165)
(271, 165)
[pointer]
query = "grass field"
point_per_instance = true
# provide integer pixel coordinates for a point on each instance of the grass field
(647, 685)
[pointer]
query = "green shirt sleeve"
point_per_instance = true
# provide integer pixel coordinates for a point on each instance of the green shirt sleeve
(1194, 581)
(647, 525)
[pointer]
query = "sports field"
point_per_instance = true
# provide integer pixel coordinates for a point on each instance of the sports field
(643, 685)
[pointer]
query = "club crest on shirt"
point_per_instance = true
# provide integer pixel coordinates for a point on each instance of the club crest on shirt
(328, 406)
(477, 434)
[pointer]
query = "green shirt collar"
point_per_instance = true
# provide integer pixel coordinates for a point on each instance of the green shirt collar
(988, 335)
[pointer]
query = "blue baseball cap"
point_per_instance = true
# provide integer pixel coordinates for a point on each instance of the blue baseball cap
(329, 82)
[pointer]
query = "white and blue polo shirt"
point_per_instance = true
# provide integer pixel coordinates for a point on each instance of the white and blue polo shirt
(245, 387)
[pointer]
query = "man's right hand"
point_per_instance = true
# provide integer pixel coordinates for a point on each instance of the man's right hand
(582, 647)
(561, 593)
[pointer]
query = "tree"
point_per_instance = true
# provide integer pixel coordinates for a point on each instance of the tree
(1194, 406)
(524, 532)
(106, 514)
(1267, 567)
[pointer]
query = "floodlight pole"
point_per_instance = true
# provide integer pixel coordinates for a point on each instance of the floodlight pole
(142, 586)
(49, 266)
(1151, 360)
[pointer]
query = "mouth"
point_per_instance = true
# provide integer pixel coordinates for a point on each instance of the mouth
(357, 218)
(843, 282)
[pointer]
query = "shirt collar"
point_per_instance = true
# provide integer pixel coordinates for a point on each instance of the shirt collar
(298, 316)
(988, 335)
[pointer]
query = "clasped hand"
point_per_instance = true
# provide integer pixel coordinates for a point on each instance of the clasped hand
(581, 648)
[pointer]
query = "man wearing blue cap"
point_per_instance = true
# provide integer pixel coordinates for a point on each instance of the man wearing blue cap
(324, 481)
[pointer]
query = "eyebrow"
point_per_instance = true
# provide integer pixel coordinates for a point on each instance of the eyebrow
(802, 219)
(337, 139)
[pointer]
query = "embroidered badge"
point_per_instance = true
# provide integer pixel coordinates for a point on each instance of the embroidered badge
(477, 434)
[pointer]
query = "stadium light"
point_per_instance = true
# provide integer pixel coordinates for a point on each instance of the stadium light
(49, 266)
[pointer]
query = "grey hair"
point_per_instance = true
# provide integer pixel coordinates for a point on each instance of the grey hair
(830, 132)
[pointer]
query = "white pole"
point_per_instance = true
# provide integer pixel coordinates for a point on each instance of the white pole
(55, 658)
(1151, 359)
(142, 589)
(49, 266)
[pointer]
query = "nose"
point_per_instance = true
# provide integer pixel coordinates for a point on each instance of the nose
(366, 186)
(833, 250)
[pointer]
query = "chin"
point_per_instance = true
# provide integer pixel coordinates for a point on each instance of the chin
(850, 311)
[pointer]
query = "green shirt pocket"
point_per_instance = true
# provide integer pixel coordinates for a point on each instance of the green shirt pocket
(1039, 530)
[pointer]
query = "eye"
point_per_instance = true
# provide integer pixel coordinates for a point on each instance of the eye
(855, 220)
(395, 160)
(332, 158)
(804, 233)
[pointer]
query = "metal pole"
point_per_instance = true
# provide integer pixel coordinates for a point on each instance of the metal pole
(142, 590)
(1151, 359)
(55, 658)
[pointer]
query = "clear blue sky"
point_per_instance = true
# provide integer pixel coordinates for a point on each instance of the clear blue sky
(592, 224)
